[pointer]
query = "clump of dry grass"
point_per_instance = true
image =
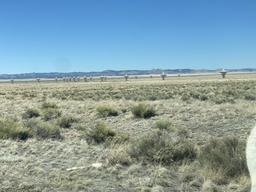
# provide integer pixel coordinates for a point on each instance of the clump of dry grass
(165, 124)
(50, 111)
(67, 121)
(50, 114)
(100, 133)
(43, 130)
(9, 129)
(119, 139)
(143, 110)
(224, 159)
(30, 113)
(49, 105)
(160, 147)
(106, 111)
(119, 155)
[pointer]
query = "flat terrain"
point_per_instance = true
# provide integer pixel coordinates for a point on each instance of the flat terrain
(129, 151)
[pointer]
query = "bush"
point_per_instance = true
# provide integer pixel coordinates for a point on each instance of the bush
(143, 111)
(160, 147)
(51, 113)
(164, 124)
(49, 105)
(250, 97)
(106, 111)
(183, 133)
(100, 133)
(10, 129)
(203, 97)
(66, 122)
(119, 155)
(225, 156)
(120, 138)
(44, 130)
(184, 150)
(185, 97)
(30, 113)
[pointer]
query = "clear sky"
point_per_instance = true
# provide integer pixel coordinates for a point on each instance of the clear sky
(95, 35)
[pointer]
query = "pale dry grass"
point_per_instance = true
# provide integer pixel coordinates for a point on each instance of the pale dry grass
(37, 165)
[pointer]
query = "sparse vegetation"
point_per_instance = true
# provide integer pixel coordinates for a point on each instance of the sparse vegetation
(171, 151)
(216, 92)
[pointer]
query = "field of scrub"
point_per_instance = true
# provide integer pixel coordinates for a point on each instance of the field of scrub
(183, 134)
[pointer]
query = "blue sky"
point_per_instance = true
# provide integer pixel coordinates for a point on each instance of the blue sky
(95, 35)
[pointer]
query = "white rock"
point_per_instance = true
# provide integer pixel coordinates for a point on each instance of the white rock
(97, 165)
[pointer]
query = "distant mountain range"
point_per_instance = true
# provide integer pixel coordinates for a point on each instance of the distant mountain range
(115, 73)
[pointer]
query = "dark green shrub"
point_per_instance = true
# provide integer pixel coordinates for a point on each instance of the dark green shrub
(10, 129)
(43, 130)
(67, 121)
(143, 111)
(30, 113)
(100, 133)
(225, 156)
(106, 111)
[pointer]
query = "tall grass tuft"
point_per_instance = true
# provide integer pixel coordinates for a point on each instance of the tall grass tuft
(47, 105)
(164, 124)
(160, 147)
(100, 133)
(10, 129)
(106, 111)
(43, 130)
(67, 121)
(225, 157)
(143, 111)
(30, 113)
(51, 113)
